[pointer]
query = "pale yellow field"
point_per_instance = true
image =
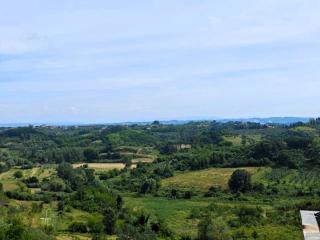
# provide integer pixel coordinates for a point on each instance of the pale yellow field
(143, 160)
(202, 180)
(9, 185)
(73, 237)
(103, 166)
(236, 140)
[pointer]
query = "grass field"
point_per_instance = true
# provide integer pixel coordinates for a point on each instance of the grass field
(73, 237)
(236, 139)
(305, 129)
(202, 180)
(11, 183)
(139, 154)
(177, 214)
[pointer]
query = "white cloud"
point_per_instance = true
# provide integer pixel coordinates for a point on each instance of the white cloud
(157, 58)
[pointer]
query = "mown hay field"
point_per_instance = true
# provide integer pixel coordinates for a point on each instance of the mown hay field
(202, 180)
(103, 166)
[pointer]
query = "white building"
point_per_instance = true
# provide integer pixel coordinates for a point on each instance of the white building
(310, 225)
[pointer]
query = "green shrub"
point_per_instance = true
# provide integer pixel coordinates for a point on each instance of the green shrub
(18, 174)
(78, 227)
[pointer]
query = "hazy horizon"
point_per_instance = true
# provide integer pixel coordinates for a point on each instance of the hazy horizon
(288, 119)
(106, 61)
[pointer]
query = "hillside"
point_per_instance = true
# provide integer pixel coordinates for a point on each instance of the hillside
(159, 181)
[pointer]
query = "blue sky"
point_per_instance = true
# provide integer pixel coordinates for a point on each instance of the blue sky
(109, 61)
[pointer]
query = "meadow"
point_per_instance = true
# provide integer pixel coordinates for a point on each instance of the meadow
(200, 181)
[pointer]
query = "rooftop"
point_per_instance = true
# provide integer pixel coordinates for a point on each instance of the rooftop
(310, 225)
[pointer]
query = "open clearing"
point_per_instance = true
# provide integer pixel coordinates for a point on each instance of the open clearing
(177, 214)
(103, 166)
(236, 140)
(143, 160)
(202, 180)
(11, 183)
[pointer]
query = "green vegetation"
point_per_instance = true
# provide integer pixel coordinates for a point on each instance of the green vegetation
(240, 181)
(200, 180)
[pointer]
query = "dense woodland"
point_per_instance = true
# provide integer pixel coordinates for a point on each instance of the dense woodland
(274, 172)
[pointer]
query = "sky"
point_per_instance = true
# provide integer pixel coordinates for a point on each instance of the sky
(112, 61)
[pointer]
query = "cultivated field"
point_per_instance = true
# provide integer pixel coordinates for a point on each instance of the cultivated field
(236, 140)
(202, 180)
(289, 177)
(103, 166)
(11, 183)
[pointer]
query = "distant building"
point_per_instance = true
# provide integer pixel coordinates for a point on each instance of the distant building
(182, 146)
(310, 224)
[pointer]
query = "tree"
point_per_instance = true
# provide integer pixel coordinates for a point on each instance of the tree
(290, 159)
(18, 174)
(119, 202)
(109, 220)
(240, 181)
(314, 152)
(90, 154)
(61, 207)
(54, 185)
(250, 215)
(168, 148)
(95, 226)
(16, 230)
(156, 122)
(149, 185)
(127, 162)
(65, 171)
(78, 227)
(209, 229)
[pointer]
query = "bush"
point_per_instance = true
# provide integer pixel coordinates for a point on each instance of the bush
(95, 225)
(213, 229)
(160, 228)
(149, 185)
(32, 182)
(18, 174)
(187, 195)
(214, 192)
(78, 227)
(109, 220)
(250, 215)
(53, 185)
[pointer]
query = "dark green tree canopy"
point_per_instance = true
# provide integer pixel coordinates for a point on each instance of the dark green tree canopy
(240, 181)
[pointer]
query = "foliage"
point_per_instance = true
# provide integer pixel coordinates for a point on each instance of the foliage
(240, 181)
(213, 229)
(271, 170)
(18, 174)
